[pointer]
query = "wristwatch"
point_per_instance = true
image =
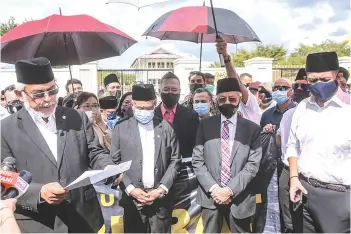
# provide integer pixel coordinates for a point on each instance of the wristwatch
(228, 59)
(160, 191)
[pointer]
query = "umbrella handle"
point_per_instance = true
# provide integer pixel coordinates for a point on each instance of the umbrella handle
(221, 60)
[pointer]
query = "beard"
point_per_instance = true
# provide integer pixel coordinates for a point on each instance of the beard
(43, 106)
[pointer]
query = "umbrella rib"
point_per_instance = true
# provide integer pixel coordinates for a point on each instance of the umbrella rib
(75, 47)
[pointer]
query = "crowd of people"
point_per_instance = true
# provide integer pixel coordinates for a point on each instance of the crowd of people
(218, 127)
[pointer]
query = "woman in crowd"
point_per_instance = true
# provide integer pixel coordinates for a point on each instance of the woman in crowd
(88, 103)
(124, 108)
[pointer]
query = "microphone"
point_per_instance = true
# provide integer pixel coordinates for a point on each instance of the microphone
(21, 185)
(8, 164)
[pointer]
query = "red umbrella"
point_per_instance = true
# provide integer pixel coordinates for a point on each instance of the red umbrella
(64, 40)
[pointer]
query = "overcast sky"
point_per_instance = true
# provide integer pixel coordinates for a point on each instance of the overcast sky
(286, 22)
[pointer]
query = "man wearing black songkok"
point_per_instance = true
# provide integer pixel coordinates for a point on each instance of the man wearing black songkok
(112, 86)
(56, 145)
(151, 144)
(318, 150)
(226, 158)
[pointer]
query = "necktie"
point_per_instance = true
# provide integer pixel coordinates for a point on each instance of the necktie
(225, 170)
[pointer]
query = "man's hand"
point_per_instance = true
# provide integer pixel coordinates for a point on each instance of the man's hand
(221, 195)
(8, 204)
(140, 195)
(269, 128)
(53, 193)
(296, 189)
(222, 47)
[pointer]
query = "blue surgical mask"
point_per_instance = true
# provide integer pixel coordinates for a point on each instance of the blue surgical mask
(202, 108)
(111, 116)
(112, 123)
(144, 116)
(323, 91)
(210, 88)
(280, 96)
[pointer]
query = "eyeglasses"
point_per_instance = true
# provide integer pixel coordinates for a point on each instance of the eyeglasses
(90, 107)
(305, 87)
(40, 94)
(313, 80)
(170, 90)
(222, 100)
(280, 88)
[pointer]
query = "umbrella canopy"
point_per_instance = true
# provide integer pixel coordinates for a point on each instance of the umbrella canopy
(64, 40)
(188, 23)
(136, 3)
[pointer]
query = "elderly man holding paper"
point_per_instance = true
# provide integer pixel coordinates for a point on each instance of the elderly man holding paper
(56, 145)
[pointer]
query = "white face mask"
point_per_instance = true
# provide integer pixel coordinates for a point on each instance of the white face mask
(90, 115)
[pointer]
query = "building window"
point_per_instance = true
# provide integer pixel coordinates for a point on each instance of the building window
(149, 65)
(160, 65)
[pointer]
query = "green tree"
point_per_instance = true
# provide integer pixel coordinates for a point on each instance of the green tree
(5, 27)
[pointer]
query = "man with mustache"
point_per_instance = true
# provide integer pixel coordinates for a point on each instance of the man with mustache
(56, 144)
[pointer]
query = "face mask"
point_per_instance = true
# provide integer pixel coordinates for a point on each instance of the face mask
(323, 91)
(14, 107)
(90, 115)
(170, 99)
(111, 123)
(280, 96)
(202, 108)
(111, 116)
(300, 95)
(194, 87)
(144, 116)
(210, 88)
(228, 110)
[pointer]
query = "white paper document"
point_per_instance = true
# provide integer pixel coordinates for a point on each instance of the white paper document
(94, 176)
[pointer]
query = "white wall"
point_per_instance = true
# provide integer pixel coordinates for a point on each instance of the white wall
(86, 73)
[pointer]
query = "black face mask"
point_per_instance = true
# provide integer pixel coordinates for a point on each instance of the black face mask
(170, 99)
(228, 110)
(300, 95)
(194, 87)
(14, 107)
(116, 93)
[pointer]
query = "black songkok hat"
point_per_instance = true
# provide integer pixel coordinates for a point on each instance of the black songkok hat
(108, 102)
(228, 85)
(34, 71)
(143, 92)
(301, 74)
(322, 62)
(345, 72)
(110, 79)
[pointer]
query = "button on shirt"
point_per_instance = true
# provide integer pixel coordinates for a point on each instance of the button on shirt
(320, 138)
(284, 131)
(47, 129)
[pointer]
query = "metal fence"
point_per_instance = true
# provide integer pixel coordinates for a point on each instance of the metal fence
(129, 76)
(288, 72)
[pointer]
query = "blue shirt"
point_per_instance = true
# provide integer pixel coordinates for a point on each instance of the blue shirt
(274, 116)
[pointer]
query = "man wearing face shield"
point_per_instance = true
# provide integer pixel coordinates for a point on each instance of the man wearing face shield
(226, 159)
(112, 86)
(108, 106)
(152, 145)
(13, 102)
(56, 145)
(318, 150)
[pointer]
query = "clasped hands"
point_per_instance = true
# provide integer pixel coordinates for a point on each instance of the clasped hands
(145, 198)
(222, 196)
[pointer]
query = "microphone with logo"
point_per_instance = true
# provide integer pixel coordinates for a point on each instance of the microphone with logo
(8, 164)
(19, 181)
